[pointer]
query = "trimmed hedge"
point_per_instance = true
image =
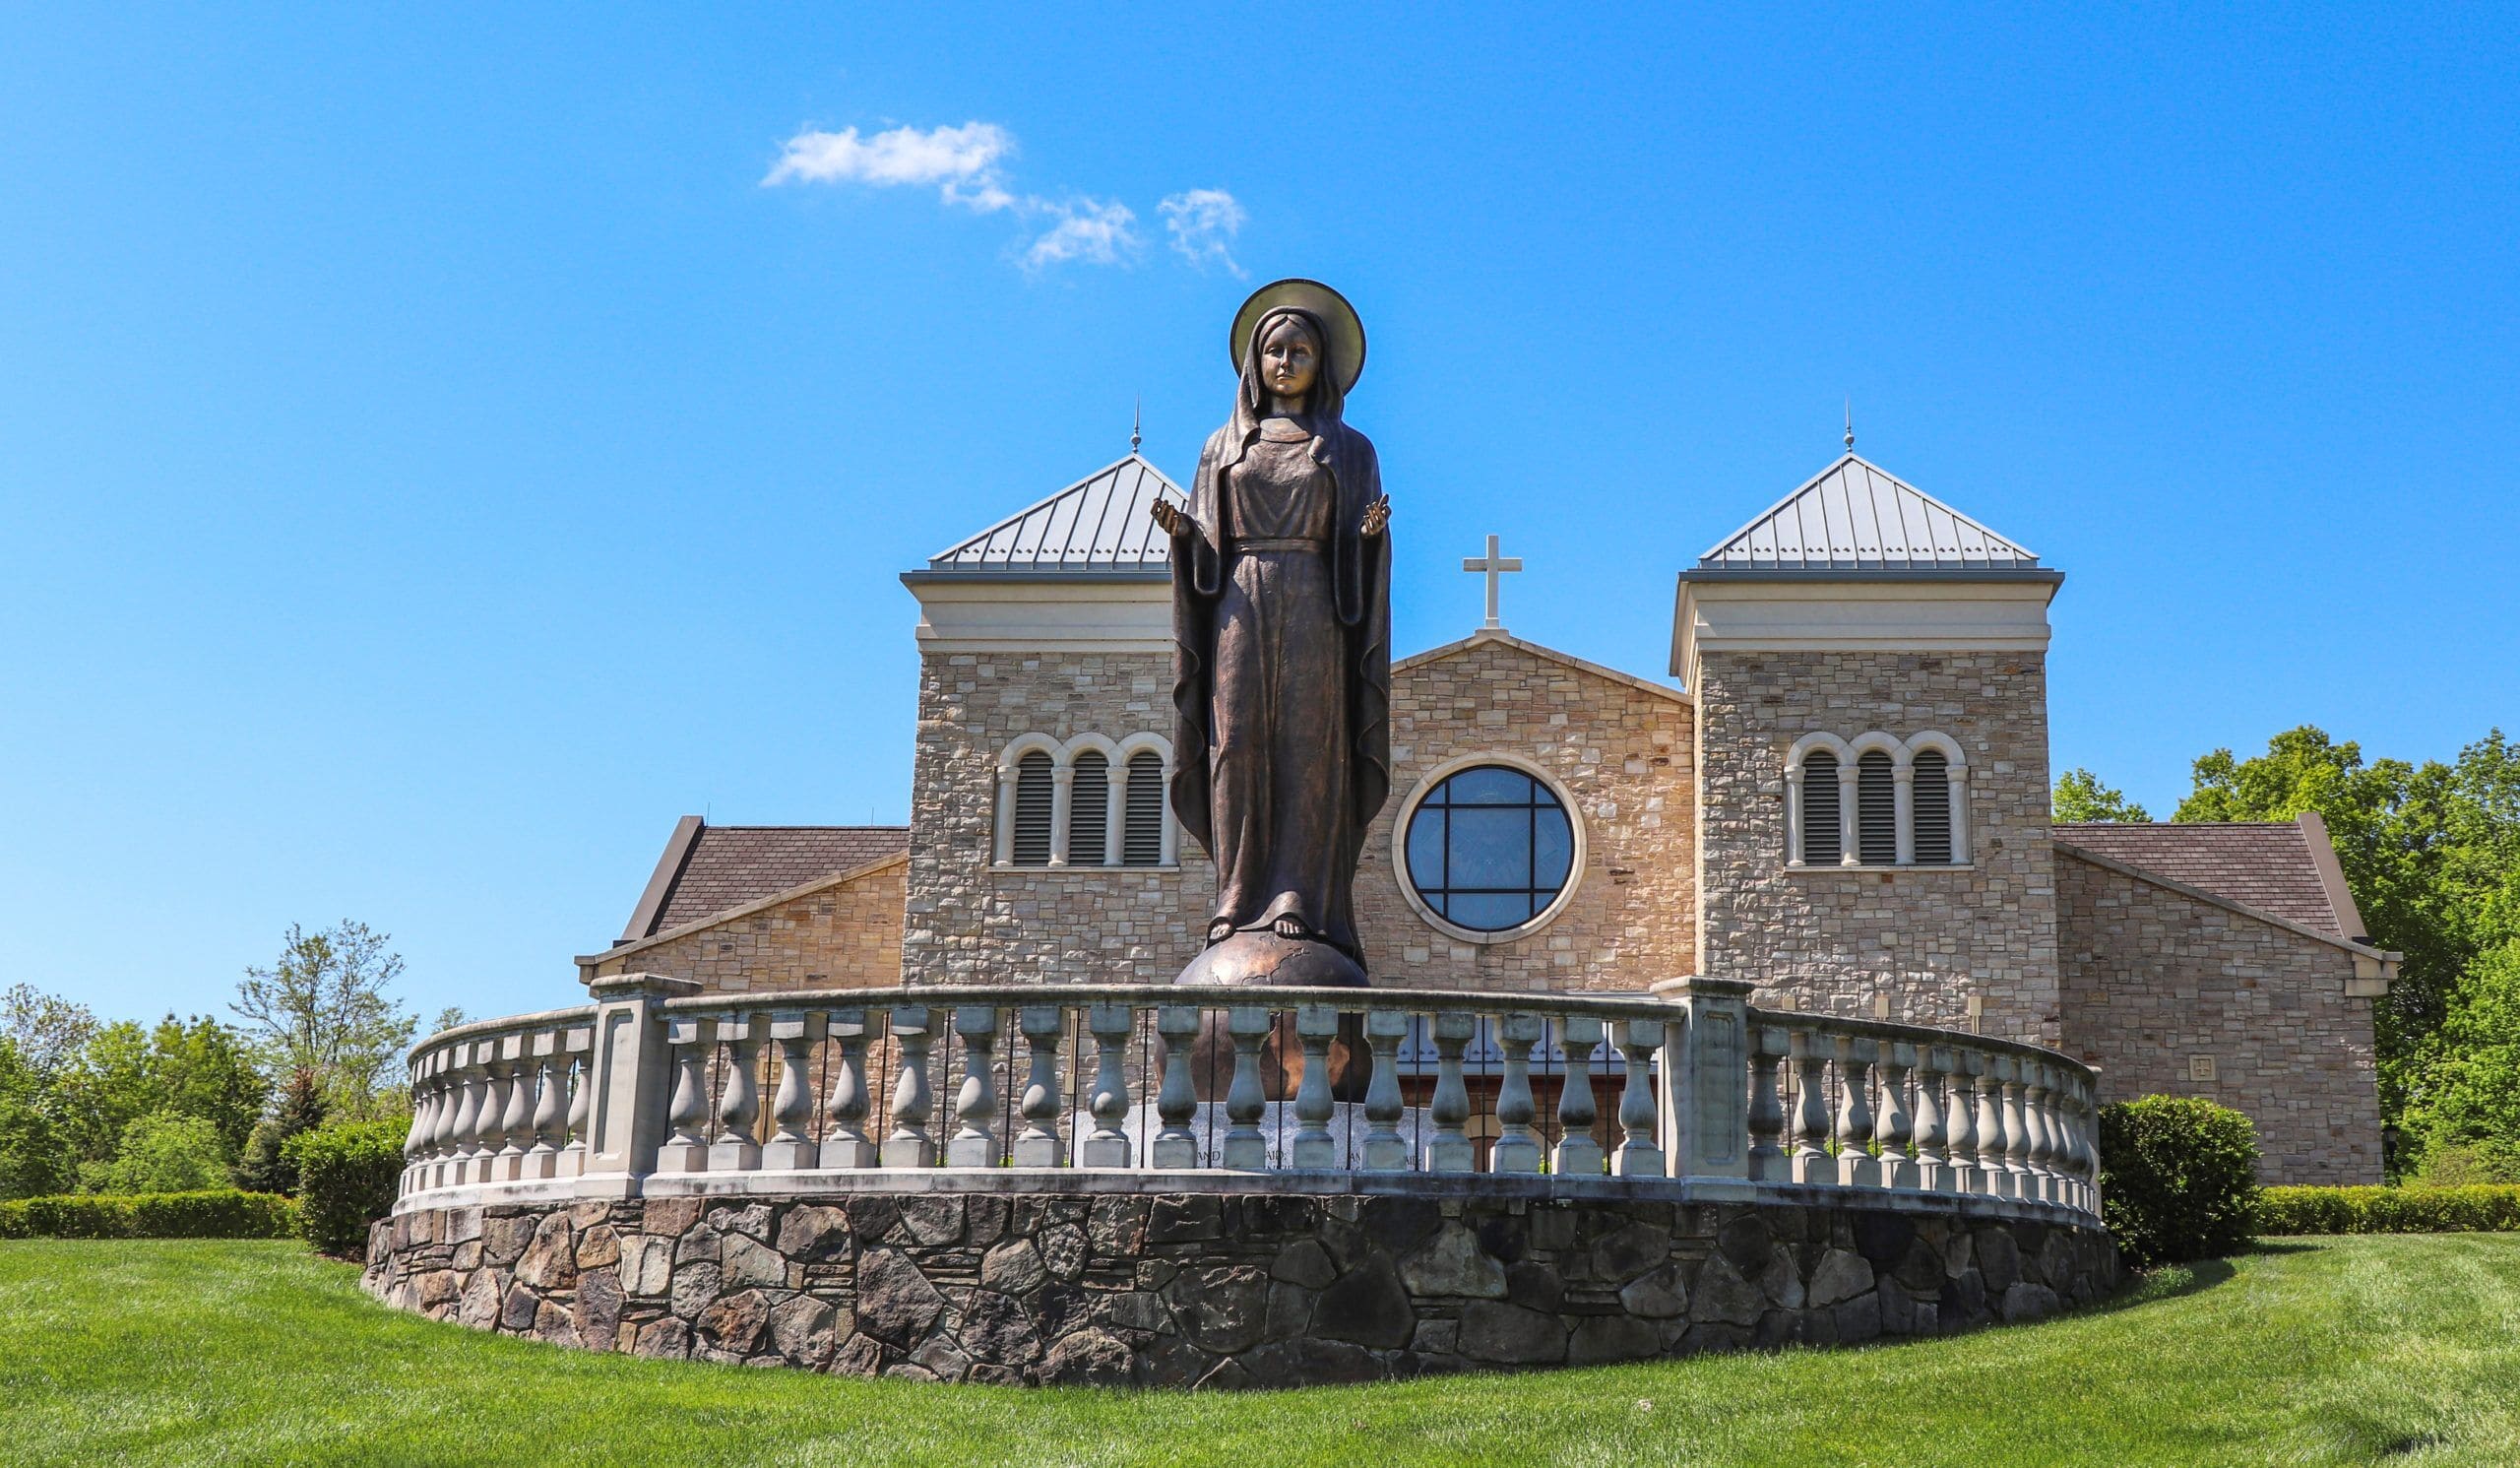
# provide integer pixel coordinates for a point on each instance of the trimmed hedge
(2178, 1178)
(2482, 1209)
(219, 1213)
(347, 1176)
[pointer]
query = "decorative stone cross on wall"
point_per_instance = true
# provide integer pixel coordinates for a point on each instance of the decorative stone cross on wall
(1493, 565)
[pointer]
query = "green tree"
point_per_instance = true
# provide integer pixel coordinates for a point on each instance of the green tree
(323, 1006)
(266, 1166)
(2462, 1086)
(46, 1030)
(2080, 796)
(162, 1152)
(33, 1159)
(198, 1067)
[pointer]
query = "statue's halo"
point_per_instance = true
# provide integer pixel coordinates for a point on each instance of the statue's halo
(1346, 334)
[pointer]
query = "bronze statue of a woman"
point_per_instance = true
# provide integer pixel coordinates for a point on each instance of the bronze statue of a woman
(1282, 648)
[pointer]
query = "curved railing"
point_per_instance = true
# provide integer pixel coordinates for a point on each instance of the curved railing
(656, 1089)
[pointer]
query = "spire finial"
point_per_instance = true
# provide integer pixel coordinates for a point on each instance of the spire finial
(1137, 420)
(1849, 422)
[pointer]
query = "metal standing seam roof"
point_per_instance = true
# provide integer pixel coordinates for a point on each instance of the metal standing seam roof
(1855, 516)
(1100, 523)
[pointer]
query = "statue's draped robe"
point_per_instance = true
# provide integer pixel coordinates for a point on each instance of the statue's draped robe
(1281, 672)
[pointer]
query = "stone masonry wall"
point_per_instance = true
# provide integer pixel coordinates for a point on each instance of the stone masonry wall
(2154, 978)
(1831, 940)
(845, 936)
(969, 922)
(1621, 751)
(1235, 1291)
(1623, 755)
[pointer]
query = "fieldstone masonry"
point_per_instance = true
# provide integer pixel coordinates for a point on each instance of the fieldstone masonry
(1831, 940)
(1215, 1291)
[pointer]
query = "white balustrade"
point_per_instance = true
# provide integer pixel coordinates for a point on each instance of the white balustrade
(1704, 1092)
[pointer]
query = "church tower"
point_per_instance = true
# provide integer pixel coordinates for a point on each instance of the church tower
(1873, 838)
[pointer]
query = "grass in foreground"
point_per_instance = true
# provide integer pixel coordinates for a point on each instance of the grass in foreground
(2353, 1350)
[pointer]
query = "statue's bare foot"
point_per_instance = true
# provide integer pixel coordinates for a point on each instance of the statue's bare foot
(1221, 930)
(1291, 926)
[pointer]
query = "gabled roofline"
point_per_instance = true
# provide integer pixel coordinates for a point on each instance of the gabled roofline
(2340, 897)
(936, 563)
(660, 883)
(2154, 878)
(745, 910)
(1487, 635)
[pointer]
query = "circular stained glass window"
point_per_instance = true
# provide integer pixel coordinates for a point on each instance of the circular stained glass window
(1489, 848)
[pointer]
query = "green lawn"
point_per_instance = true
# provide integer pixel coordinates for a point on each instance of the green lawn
(2349, 1350)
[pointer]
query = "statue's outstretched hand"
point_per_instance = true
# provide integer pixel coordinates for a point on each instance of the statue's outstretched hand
(1168, 516)
(1377, 515)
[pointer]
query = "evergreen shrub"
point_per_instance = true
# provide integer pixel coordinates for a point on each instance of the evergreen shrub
(219, 1213)
(2482, 1209)
(2177, 1178)
(347, 1175)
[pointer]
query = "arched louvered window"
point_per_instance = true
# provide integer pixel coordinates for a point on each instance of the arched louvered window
(1876, 810)
(1141, 829)
(1033, 793)
(1932, 807)
(1820, 808)
(1089, 809)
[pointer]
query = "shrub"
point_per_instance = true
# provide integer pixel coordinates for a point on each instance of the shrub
(347, 1175)
(2389, 1210)
(2178, 1179)
(222, 1213)
(163, 1152)
(2466, 1164)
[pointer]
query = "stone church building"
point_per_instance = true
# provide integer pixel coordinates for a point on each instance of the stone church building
(1844, 798)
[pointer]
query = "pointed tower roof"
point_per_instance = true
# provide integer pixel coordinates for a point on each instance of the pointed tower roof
(1099, 527)
(1855, 518)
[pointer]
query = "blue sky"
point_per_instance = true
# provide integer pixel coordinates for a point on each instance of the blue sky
(433, 456)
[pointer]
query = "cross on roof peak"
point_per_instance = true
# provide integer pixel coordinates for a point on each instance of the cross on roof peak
(1492, 566)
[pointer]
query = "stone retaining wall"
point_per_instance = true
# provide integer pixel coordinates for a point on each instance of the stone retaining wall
(1237, 1289)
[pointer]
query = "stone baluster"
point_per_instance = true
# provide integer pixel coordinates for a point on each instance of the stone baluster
(1177, 1101)
(1386, 1150)
(1316, 1025)
(792, 1145)
(1042, 1142)
(1856, 1166)
(2016, 1134)
(735, 1149)
(1108, 1144)
(1992, 1181)
(908, 1145)
(1246, 1146)
(423, 1119)
(516, 1121)
(686, 1145)
(450, 1111)
(573, 1144)
(482, 1163)
(2077, 1122)
(1962, 1118)
(551, 1107)
(2041, 1181)
(1578, 1154)
(1638, 1154)
(1517, 1147)
(1933, 1161)
(1811, 1159)
(1897, 1127)
(1451, 1150)
(845, 1143)
(973, 1144)
(1769, 1045)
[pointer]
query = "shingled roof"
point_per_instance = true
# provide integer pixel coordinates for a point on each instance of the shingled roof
(1099, 525)
(2285, 869)
(1856, 517)
(707, 868)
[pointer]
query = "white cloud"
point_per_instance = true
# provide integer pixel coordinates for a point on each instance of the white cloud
(966, 166)
(960, 161)
(1203, 224)
(1087, 229)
